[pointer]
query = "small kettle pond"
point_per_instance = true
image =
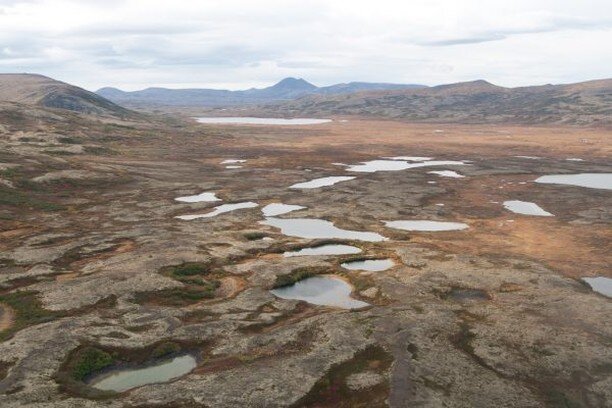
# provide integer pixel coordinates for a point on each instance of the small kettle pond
(123, 379)
(274, 209)
(373, 265)
(328, 249)
(325, 290)
(526, 208)
(205, 197)
(219, 210)
(321, 182)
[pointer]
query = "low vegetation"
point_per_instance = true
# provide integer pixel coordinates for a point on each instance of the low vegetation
(15, 198)
(88, 361)
(200, 284)
(332, 390)
(165, 349)
(188, 269)
(177, 297)
(27, 312)
(254, 236)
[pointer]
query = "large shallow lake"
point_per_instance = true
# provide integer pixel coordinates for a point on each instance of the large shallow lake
(239, 120)
(373, 166)
(314, 228)
(591, 180)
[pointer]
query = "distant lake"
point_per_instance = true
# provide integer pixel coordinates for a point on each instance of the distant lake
(261, 121)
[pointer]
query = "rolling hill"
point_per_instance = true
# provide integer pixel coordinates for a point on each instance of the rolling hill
(41, 91)
(586, 103)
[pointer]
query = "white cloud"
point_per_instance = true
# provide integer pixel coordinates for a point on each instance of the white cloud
(240, 43)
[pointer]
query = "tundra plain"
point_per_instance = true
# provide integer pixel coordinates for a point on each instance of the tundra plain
(98, 273)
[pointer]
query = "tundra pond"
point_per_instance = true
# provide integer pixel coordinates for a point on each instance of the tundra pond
(326, 290)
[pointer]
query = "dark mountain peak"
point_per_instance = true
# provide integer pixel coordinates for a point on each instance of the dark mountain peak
(286, 89)
(295, 84)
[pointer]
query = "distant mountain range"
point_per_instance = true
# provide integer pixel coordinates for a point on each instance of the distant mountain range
(42, 91)
(585, 103)
(287, 89)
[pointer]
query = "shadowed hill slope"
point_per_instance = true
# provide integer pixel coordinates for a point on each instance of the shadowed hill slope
(38, 90)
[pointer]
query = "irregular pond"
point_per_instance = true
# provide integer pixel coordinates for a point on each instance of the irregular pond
(126, 378)
(219, 210)
(591, 180)
(424, 225)
(199, 198)
(328, 249)
(374, 265)
(233, 166)
(600, 285)
(396, 165)
(526, 208)
(261, 121)
(327, 290)
(322, 182)
(315, 228)
(232, 161)
(274, 209)
(446, 173)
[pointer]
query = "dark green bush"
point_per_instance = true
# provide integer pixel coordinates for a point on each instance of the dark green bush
(293, 277)
(254, 236)
(90, 360)
(188, 269)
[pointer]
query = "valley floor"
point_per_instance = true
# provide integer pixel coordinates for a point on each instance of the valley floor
(98, 273)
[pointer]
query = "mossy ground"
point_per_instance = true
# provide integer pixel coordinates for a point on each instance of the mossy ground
(332, 391)
(200, 283)
(27, 312)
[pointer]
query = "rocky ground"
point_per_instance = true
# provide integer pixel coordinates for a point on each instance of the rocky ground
(495, 315)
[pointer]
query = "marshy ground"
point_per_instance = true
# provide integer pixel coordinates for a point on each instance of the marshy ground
(92, 257)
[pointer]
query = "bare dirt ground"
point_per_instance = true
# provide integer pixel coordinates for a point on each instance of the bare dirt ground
(6, 317)
(92, 256)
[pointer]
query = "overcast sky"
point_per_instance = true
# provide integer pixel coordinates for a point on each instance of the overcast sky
(238, 44)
